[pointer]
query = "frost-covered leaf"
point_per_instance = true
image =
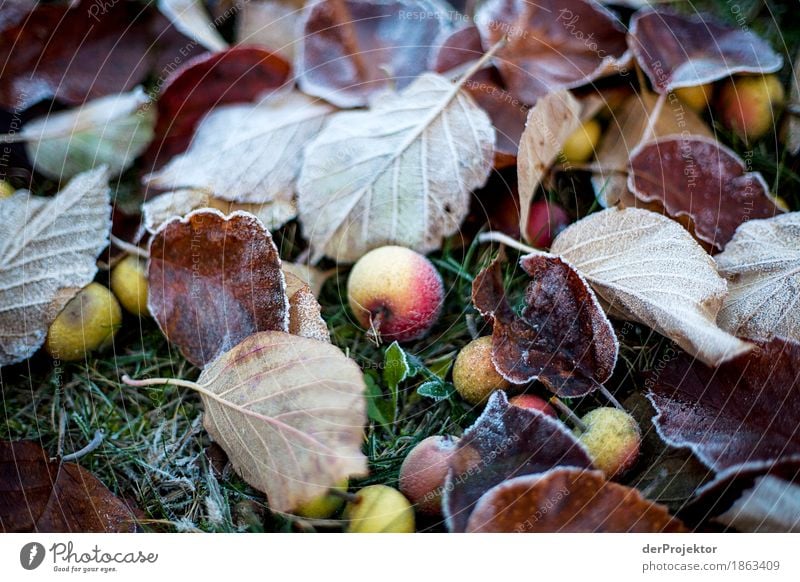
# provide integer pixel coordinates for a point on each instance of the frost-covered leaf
(270, 23)
(700, 179)
(561, 337)
(39, 495)
(112, 130)
(771, 505)
(505, 442)
(648, 268)
(400, 172)
(676, 50)
(550, 122)
(762, 265)
(48, 249)
(169, 205)
(305, 314)
(236, 75)
(214, 280)
(552, 44)
(739, 415)
(247, 153)
(290, 413)
(191, 18)
(568, 500)
(352, 50)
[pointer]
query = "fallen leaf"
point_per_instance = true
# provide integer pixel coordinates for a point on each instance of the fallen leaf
(234, 154)
(169, 205)
(43, 496)
(112, 130)
(568, 500)
(741, 414)
(290, 413)
(698, 178)
(352, 50)
(762, 266)
(270, 23)
(626, 131)
(213, 281)
(237, 75)
(305, 314)
(772, 506)
(648, 268)
(384, 176)
(505, 442)
(552, 44)
(48, 249)
(676, 50)
(190, 17)
(550, 122)
(309, 275)
(790, 132)
(561, 337)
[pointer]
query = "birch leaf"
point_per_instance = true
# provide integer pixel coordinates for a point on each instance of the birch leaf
(400, 172)
(649, 269)
(113, 130)
(191, 18)
(290, 413)
(550, 122)
(247, 153)
(762, 265)
(48, 249)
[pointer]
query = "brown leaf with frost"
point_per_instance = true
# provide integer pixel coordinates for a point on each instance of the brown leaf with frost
(305, 316)
(648, 268)
(762, 266)
(48, 249)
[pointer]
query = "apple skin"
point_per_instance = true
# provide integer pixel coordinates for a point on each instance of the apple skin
(325, 505)
(532, 402)
(582, 143)
(695, 98)
(612, 439)
(423, 473)
(474, 374)
(397, 291)
(545, 220)
(379, 509)
(747, 105)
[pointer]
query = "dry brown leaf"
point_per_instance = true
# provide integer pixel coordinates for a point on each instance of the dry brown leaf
(48, 249)
(170, 205)
(626, 131)
(290, 413)
(311, 276)
(247, 153)
(648, 268)
(400, 172)
(550, 122)
(190, 17)
(305, 316)
(762, 265)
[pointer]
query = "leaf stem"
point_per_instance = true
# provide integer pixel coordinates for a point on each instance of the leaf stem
(128, 247)
(610, 397)
(99, 435)
(499, 237)
(481, 62)
(566, 411)
(162, 382)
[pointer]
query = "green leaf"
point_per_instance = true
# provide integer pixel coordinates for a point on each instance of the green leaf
(436, 389)
(379, 410)
(396, 367)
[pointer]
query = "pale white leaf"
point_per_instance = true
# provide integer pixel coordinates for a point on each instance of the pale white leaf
(48, 249)
(550, 122)
(648, 268)
(270, 23)
(290, 412)
(400, 172)
(190, 18)
(771, 505)
(247, 153)
(762, 265)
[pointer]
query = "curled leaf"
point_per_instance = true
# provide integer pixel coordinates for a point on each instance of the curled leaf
(697, 178)
(561, 337)
(676, 50)
(648, 268)
(191, 18)
(568, 500)
(48, 249)
(273, 24)
(305, 316)
(505, 442)
(290, 413)
(762, 266)
(213, 281)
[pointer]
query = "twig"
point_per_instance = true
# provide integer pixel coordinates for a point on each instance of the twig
(99, 435)
(604, 391)
(566, 411)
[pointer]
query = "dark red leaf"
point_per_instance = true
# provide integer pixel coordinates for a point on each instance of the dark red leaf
(237, 75)
(213, 281)
(505, 442)
(569, 500)
(676, 50)
(739, 416)
(552, 44)
(353, 49)
(40, 495)
(699, 179)
(561, 337)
